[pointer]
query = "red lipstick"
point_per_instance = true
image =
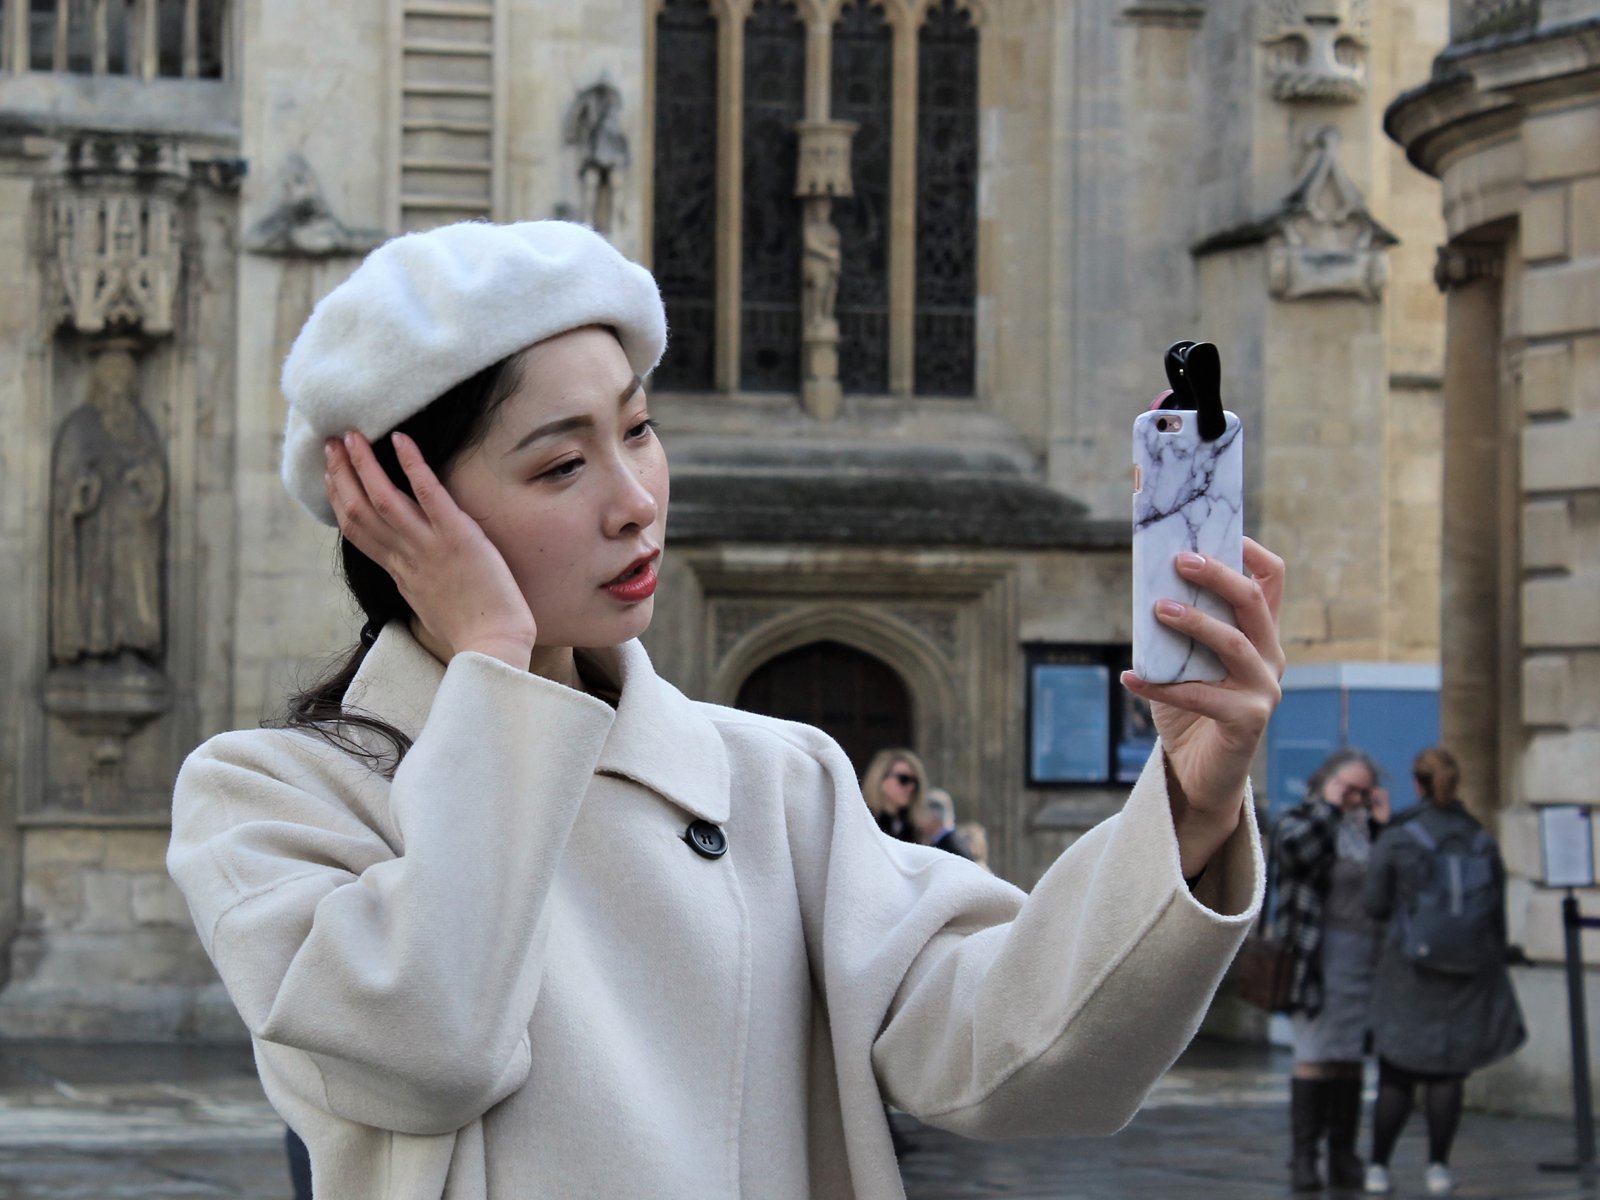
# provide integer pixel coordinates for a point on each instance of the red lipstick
(637, 583)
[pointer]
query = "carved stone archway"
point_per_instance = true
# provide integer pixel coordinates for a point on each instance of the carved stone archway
(863, 626)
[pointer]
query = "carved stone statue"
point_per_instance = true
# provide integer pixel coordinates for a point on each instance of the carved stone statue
(108, 492)
(302, 224)
(819, 268)
(594, 126)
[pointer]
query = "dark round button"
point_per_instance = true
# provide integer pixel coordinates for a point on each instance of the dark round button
(706, 839)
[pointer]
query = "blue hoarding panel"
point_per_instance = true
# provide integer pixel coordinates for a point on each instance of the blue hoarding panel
(1391, 723)
(1394, 727)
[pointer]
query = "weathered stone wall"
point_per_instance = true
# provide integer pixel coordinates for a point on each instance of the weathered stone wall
(1521, 473)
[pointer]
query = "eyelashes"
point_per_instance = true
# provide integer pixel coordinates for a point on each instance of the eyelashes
(569, 467)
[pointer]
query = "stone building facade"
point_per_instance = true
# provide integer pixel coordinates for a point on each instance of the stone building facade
(921, 259)
(1509, 122)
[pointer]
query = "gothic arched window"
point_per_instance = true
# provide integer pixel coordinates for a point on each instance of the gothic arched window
(863, 92)
(684, 210)
(728, 227)
(947, 202)
(774, 100)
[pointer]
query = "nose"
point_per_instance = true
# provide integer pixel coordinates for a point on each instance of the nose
(632, 503)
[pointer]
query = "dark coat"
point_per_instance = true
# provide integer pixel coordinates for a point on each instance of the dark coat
(1427, 1021)
(953, 843)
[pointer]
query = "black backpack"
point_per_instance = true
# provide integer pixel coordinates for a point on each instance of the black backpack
(1452, 924)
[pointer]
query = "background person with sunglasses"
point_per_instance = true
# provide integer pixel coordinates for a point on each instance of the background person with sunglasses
(1320, 849)
(895, 785)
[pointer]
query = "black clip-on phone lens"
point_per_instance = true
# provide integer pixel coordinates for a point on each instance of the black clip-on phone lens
(1194, 369)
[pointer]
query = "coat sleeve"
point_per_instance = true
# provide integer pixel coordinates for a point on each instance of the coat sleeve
(405, 974)
(995, 1014)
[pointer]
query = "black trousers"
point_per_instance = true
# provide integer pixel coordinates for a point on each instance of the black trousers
(299, 1164)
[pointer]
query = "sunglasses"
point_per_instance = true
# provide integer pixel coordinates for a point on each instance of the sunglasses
(904, 779)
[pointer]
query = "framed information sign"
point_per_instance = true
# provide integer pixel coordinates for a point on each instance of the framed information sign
(1566, 839)
(1084, 727)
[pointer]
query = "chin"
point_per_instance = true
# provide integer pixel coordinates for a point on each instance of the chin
(623, 628)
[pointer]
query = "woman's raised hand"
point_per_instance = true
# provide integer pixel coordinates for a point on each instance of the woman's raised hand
(450, 573)
(1210, 731)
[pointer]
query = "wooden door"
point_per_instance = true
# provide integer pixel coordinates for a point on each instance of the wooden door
(858, 700)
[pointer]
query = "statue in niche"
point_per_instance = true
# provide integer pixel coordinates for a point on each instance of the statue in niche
(302, 224)
(820, 267)
(108, 491)
(594, 126)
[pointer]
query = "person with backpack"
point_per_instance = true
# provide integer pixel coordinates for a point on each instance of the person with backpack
(1442, 1002)
(1320, 850)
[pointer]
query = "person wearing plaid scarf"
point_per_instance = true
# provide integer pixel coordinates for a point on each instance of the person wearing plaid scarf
(1319, 850)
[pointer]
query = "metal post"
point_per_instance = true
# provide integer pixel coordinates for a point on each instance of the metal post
(1572, 923)
(1577, 1017)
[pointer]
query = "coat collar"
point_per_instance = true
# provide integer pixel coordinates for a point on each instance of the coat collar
(660, 738)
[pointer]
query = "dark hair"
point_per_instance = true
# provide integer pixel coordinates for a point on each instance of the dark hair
(1439, 774)
(443, 431)
(1335, 763)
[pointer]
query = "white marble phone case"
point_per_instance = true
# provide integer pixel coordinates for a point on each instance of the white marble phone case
(1190, 497)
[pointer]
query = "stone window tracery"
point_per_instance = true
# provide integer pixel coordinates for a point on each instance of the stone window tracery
(896, 80)
(685, 201)
(863, 93)
(774, 101)
(947, 201)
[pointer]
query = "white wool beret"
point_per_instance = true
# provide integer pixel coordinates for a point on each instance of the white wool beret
(426, 311)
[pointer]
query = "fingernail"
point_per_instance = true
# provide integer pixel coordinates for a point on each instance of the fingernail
(327, 451)
(349, 439)
(1190, 561)
(1169, 608)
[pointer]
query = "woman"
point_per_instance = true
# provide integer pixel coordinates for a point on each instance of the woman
(1438, 1011)
(895, 786)
(509, 916)
(1320, 850)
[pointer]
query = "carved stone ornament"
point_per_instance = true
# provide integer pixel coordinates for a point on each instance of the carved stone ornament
(113, 237)
(107, 534)
(593, 126)
(824, 172)
(1460, 265)
(302, 225)
(1326, 243)
(1316, 50)
(824, 168)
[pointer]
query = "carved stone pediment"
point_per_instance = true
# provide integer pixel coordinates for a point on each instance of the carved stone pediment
(1321, 240)
(1317, 49)
(114, 234)
(1326, 243)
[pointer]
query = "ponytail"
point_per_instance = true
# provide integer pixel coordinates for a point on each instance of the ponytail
(1438, 774)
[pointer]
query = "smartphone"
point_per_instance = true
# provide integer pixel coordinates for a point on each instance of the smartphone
(1188, 494)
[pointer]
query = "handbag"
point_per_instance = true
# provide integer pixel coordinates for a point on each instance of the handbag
(1264, 970)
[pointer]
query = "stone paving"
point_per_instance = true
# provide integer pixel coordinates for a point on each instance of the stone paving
(152, 1123)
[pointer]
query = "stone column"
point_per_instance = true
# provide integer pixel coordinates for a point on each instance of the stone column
(1471, 590)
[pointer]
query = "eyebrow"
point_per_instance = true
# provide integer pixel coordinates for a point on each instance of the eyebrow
(568, 424)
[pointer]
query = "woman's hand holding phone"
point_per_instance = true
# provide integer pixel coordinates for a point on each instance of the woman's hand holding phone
(1210, 732)
(455, 580)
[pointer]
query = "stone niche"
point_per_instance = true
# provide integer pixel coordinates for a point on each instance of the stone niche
(114, 216)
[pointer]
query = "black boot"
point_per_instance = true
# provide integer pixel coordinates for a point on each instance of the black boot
(1345, 1168)
(1306, 1100)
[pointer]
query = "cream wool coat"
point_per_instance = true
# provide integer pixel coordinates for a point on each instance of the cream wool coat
(507, 975)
